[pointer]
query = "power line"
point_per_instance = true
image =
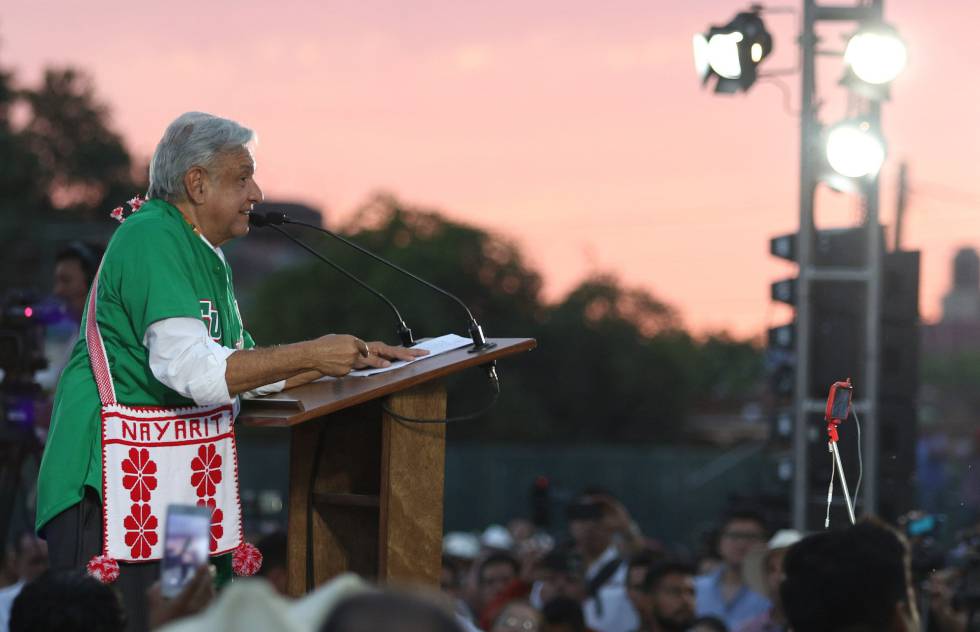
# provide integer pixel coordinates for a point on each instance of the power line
(948, 194)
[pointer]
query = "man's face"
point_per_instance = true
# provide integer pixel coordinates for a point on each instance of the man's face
(672, 601)
(70, 284)
(583, 531)
(774, 572)
(494, 577)
(737, 539)
(591, 536)
(561, 584)
(448, 580)
(231, 193)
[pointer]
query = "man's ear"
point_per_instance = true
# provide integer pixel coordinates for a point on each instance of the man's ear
(196, 183)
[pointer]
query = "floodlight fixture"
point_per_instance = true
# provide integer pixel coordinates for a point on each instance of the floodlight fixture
(876, 54)
(701, 62)
(732, 52)
(854, 149)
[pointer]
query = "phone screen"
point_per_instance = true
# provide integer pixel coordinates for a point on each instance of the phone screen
(185, 546)
(922, 525)
(842, 399)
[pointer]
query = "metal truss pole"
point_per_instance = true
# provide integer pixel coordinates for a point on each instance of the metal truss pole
(870, 273)
(804, 247)
(873, 315)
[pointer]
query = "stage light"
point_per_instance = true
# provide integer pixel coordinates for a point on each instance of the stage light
(732, 52)
(723, 54)
(876, 54)
(701, 65)
(854, 149)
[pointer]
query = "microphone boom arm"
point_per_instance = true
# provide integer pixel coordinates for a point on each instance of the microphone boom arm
(404, 332)
(476, 332)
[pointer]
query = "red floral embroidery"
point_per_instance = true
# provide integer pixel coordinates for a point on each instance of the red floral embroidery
(217, 516)
(141, 532)
(139, 472)
(120, 214)
(206, 468)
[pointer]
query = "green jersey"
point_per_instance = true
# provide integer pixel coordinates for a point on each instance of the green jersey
(155, 267)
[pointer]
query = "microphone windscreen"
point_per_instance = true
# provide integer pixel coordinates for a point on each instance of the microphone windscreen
(258, 219)
(274, 217)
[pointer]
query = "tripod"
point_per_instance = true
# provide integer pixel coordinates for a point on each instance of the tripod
(19, 449)
(838, 467)
(838, 409)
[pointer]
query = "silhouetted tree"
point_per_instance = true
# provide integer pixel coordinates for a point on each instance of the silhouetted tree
(62, 166)
(85, 167)
(613, 363)
(486, 271)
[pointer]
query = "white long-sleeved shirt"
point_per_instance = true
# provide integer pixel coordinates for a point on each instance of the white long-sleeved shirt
(183, 357)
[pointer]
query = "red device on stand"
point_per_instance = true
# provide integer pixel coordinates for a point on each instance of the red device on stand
(838, 410)
(838, 406)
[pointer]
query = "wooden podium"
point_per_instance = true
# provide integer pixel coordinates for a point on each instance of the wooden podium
(365, 489)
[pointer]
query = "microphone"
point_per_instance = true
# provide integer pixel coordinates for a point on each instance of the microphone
(404, 332)
(476, 332)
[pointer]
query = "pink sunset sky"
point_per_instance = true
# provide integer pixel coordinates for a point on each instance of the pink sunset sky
(578, 129)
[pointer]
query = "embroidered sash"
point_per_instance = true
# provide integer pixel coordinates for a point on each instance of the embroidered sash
(153, 457)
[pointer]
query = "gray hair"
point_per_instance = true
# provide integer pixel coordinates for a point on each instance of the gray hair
(194, 139)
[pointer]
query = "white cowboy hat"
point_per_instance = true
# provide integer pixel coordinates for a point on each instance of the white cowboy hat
(252, 604)
(754, 566)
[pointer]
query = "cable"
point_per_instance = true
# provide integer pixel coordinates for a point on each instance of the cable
(948, 195)
(857, 488)
(785, 89)
(830, 492)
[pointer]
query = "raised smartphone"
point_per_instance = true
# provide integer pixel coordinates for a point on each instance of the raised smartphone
(185, 546)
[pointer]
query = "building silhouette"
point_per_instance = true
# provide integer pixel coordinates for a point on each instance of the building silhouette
(959, 328)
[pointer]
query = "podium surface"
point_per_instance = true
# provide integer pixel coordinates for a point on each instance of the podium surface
(366, 489)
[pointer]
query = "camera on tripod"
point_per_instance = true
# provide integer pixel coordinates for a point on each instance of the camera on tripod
(22, 334)
(22, 323)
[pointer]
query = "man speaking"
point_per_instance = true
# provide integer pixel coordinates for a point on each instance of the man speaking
(144, 411)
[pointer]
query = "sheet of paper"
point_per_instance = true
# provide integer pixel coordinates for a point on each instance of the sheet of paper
(435, 346)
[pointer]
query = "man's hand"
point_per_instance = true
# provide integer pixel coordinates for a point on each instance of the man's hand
(940, 587)
(614, 513)
(193, 598)
(298, 363)
(337, 354)
(380, 355)
(618, 520)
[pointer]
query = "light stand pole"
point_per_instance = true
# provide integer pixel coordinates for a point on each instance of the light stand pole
(804, 246)
(870, 273)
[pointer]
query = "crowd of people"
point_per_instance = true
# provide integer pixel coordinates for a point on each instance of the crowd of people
(607, 577)
(603, 575)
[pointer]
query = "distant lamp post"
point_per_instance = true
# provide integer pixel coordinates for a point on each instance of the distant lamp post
(854, 149)
(731, 53)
